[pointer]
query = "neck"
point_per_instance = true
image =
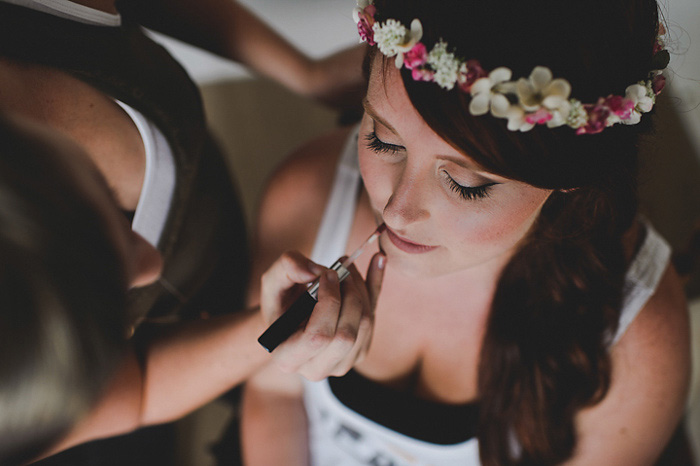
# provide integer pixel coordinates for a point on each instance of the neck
(108, 6)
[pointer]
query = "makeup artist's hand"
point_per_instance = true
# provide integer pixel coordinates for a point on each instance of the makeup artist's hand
(339, 330)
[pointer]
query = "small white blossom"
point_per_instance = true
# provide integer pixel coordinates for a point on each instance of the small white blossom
(445, 64)
(578, 116)
(389, 36)
(393, 39)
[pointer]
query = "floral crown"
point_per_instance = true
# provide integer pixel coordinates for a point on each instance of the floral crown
(536, 100)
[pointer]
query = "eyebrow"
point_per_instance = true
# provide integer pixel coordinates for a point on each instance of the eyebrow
(373, 113)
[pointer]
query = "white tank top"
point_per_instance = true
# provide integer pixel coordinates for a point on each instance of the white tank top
(339, 435)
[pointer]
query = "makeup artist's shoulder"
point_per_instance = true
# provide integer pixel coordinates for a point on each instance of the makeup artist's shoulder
(306, 175)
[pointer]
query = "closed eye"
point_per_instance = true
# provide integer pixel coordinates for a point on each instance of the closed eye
(469, 193)
(380, 147)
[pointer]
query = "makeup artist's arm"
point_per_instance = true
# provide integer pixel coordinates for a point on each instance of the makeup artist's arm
(192, 363)
(228, 29)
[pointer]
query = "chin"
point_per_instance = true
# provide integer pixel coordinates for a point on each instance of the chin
(414, 266)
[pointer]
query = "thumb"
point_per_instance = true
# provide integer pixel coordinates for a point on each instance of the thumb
(375, 276)
(280, 281)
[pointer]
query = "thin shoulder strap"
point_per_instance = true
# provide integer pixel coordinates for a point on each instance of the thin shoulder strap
(643, 277)
(338, 215)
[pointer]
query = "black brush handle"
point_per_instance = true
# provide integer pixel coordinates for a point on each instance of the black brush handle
(288, 323)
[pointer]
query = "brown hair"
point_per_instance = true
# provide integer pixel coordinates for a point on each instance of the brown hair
(62, 298)
(557, 303)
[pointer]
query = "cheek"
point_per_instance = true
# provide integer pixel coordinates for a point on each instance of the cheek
(500, 225)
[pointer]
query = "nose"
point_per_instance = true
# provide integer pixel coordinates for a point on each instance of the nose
(407, 203)
(147, 263)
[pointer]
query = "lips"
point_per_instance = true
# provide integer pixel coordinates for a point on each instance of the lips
(406, 245)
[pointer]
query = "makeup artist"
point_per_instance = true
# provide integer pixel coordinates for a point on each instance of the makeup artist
(86, 69)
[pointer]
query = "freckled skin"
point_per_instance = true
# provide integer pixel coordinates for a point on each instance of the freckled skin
(409, 190)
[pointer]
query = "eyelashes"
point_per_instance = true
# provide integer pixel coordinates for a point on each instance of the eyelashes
(467, 193)
(377, 145)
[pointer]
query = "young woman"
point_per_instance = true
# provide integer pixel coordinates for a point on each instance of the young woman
(528, 315)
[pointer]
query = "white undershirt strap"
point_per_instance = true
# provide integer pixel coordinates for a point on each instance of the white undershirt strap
(332, 236)
(159, 181)
(70, 10)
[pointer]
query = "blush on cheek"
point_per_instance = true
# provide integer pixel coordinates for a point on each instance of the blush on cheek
(499, 229)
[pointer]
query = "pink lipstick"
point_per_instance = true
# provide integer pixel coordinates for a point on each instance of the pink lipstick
(406, 245)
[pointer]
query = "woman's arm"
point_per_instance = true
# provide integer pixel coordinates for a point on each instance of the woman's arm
(650, 377)
(228, 29)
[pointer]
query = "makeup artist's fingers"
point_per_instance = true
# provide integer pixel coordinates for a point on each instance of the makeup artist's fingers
(375, 277)
(365, 326)
(353, 330)
(291, 269)
(374, 280)
(303, 346)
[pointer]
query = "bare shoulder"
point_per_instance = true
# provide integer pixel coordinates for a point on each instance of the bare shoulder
(90, 118)
(293, 203)
(661, 330)
(295, 196)
(649, 385)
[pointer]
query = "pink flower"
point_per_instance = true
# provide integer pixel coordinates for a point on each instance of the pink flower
(540, 117)
(422, 74)
(365, 23)
(598, 114)
(416, 57)
(658, 83)
(620, 106)
(469, 73)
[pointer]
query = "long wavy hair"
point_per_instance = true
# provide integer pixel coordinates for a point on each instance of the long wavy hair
(62, 297)
(557, 302)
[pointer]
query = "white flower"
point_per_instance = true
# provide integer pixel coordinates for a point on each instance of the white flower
(559, 114)
(445, 64)
(393, 38)
(488, 93)
(389, 36)
(517, 119)
(414, 36)
(361, 5)
(540, 90)
(638, 93)
(578, 116)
